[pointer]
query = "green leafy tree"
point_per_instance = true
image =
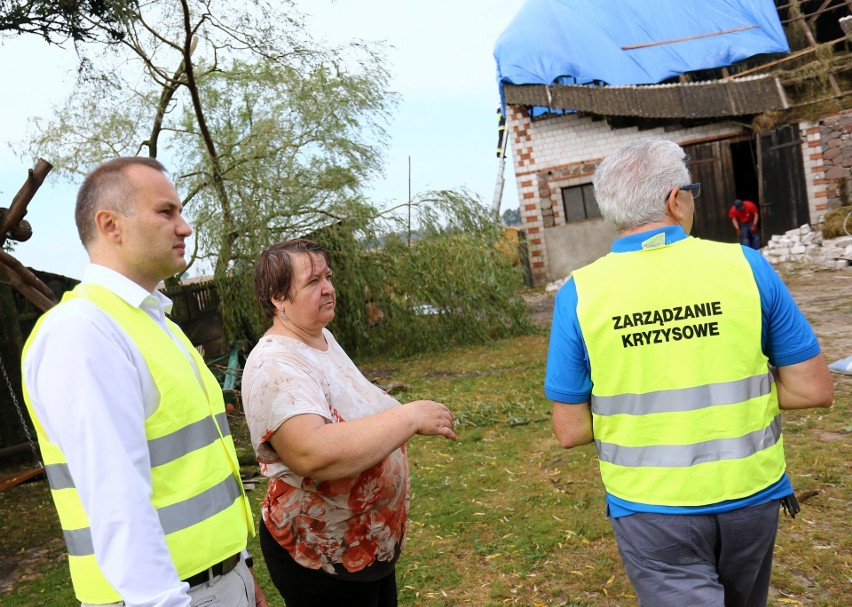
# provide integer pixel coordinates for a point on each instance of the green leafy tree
(265, 132)
(453, 285)
(292, 148)
(78, 20)
(293, 152)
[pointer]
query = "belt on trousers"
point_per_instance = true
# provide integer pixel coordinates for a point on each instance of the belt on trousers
(220, 568)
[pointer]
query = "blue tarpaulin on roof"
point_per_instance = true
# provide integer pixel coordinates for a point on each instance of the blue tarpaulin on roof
(625, 42)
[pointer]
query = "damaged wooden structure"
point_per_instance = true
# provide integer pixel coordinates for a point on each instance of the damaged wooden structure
(692, 100)
(13, 226)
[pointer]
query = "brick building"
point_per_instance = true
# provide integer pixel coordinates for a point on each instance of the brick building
(773, 129)
(554, 160)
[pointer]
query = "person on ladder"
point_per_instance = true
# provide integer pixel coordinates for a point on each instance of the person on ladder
(501, 130)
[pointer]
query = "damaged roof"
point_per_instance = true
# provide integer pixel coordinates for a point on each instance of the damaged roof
(561, 45)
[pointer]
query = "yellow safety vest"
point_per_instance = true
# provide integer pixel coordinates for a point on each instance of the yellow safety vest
(684, 408)
(197, 491)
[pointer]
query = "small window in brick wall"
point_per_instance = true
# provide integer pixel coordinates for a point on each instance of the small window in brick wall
(579, 203)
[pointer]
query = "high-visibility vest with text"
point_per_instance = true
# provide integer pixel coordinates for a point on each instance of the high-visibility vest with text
(684, 407)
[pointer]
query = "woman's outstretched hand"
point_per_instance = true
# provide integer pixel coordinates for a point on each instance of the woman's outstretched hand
(432, 418)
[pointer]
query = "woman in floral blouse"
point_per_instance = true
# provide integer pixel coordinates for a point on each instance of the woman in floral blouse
(330, 442)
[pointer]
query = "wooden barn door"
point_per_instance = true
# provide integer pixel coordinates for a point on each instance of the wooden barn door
(712, 165)
(783, 197)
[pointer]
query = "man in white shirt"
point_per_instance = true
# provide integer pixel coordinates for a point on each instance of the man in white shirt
(131, 424)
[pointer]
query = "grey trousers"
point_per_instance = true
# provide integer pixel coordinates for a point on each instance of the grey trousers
(234, 589)
(699, 560)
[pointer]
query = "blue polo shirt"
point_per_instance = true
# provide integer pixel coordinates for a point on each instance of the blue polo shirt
(786, 339)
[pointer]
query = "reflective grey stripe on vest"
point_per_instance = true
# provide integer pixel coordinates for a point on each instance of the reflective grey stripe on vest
(58, 477)
(201, 507)
(686, 399)
(224, 427)
(172, 518)
(681, 456)
(79, 542)
(199, 434)
(163, 450)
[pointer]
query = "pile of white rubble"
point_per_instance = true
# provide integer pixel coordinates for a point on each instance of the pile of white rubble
(805, 245)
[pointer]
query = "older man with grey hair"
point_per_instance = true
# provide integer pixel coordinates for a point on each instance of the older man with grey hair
(675, 355)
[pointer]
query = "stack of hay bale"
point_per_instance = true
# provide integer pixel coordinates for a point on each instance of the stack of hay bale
(805, 245)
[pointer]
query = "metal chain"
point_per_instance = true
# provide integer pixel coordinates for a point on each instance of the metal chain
(20, 412)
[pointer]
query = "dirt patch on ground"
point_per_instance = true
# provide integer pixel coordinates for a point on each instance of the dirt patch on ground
(825, 297)
(540, 304)
(829, 436)
(28, 564)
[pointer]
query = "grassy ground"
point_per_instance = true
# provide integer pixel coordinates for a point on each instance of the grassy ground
(506, 517)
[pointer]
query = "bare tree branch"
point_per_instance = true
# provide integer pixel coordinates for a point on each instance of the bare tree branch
(165, 99)
(192, 85)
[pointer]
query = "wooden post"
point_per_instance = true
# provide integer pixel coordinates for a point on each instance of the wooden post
(18, 209)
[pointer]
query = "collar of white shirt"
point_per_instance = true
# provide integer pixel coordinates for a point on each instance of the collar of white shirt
(125, 288)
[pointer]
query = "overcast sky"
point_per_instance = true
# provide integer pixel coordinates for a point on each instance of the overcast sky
(442, 64)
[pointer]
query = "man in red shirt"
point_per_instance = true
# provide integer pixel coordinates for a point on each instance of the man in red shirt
(744, 216)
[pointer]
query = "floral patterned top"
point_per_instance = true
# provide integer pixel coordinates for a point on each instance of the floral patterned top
(353, 527)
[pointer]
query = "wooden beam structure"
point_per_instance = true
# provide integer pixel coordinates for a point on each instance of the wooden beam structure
(20, 278)
(27, 284)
